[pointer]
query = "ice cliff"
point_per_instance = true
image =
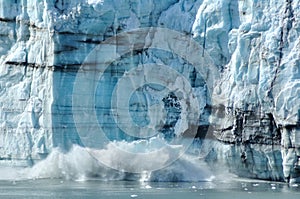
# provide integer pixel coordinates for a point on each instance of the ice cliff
(258, 95)
(254, 113)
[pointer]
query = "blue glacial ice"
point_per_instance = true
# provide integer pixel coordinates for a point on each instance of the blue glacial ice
(250, 119)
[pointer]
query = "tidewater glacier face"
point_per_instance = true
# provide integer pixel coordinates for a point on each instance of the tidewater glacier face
(252, 114)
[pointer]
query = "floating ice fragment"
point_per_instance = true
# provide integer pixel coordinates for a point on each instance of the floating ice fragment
(148, 187)
(295, 185)
(95, 1)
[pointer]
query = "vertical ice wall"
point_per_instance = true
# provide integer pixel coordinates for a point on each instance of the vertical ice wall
(255, 44)
(43, 43)
(257, 99)
(26, 53)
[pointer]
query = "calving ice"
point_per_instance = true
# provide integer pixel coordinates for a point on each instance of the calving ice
(150, 90)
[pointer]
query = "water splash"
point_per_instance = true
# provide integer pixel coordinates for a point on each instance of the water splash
(78, 164)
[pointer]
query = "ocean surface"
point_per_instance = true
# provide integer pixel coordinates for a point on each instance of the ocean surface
(228, 188)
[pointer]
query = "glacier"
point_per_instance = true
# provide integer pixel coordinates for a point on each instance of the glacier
(249, 123)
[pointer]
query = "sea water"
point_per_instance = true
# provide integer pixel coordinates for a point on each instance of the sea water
(229, 188)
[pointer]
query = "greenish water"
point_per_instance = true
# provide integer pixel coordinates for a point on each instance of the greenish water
(233, 188)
